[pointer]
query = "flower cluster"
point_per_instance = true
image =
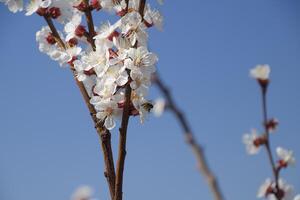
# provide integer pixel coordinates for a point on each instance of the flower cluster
(105, 60)
(276, 189)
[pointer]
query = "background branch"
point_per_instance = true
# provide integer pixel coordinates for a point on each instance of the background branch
(191, 140)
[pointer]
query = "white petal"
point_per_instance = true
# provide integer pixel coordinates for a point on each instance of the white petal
(109, 123)
(45, 3)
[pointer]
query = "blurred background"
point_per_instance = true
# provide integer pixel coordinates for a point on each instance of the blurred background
(48, 145)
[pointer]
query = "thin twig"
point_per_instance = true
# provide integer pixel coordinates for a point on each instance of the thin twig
(103, 133)
(191, 140)
(90, 23)
(267, 133)
(122, 145)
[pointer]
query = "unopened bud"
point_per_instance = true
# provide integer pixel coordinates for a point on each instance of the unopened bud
(95, 4)
(80, 31)
(54, 12)
(50, 39)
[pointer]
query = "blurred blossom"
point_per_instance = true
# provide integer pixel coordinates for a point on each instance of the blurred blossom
(286, 156)
(159, 107)
(253, 142)
(82, 193)
(297, 197)
(260, 72)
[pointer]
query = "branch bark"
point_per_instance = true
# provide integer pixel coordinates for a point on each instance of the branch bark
(90, 23)
(122, 145)
(104, 134)
(267, 145)
(191, 140)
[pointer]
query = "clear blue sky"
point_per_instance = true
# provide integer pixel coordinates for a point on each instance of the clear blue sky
(48, 145)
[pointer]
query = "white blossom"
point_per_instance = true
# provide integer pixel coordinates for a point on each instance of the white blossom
(260, 72)
(286, 188)
(159, 107)
(268, 188)
(297, 197)
(249, 140)
(154, 17)
(107, 112)
(285, 155)
(66, 9)
(82, 193)
(34, 5)
(13, 5)
(133, 28)
(70, 27)
(262, 191)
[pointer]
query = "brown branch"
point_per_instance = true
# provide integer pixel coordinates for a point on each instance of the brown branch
(122, 145)
(191, 140)
(90, 23)
(54, 32)
(104, 134)
(275, 170)
(142, 7)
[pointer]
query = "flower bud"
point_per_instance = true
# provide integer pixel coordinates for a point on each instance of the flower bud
(73, 42)
(121, 13)
(112, 35)
(54, 12)
(259, 141)
(50, 39)
(272, 124)
(81, 7)
(80, 31)
(282, 164)
(95, 4)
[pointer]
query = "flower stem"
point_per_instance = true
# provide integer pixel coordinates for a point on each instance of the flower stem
(90, 23)
(267, 144)
(122, 145)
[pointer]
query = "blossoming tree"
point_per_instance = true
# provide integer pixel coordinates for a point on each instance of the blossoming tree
(114, 69)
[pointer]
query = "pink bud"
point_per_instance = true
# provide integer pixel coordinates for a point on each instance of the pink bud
(73, 42)
(80, 31)
(112, 35)
(95, 4)
(54, 12)
(121, 13)
(82, 7)
(50, 39)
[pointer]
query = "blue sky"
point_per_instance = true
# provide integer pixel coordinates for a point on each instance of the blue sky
(48, 145)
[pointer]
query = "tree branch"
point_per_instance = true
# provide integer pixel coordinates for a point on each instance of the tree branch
(122, 145)
(104, 134)
(191, 140)
(90, 23)
(267, 145)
